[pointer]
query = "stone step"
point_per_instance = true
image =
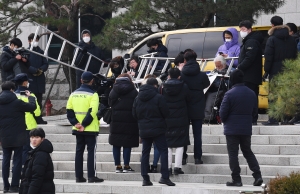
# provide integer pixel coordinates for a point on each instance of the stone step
(135, 187)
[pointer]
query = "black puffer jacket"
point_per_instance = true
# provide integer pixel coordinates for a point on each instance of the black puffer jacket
(151, 110)
(250, 58)
(177, 96)
(38, 172)
(162, 51)
(280, 46)
(12, 119)
(124, 129)
(38, 83)
(196, 82)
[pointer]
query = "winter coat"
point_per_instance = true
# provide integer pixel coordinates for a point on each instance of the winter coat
(238, 107)
(250, 58)
(12, 119)
(150, 109)
(38, 172)
(38, 83)
(8, 61)
(196, 82)
(162, 51)
(124, 131)
(280, 46)
(177, 97)
(232, 48)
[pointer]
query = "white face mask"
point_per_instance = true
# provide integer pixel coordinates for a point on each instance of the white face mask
(227, 40)
(243, 34)
(27, 85)
(15, 48)
(35, 44)
(86, 39)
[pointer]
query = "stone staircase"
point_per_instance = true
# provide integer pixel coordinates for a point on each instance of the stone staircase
(277, 150)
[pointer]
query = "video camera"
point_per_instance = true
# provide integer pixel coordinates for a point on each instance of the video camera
(23, 52)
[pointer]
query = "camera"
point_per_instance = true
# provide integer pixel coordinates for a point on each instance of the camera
(23, 52)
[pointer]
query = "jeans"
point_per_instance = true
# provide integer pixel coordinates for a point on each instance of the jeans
(197, 132)
(91, 142)
(156, 155)
(17, 165)
(117, 155)
(233, 142)
(26, 148)
(255, 89)
(161, 143)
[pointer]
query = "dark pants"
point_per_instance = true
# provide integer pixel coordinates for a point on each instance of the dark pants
(156, 155)
(255, 89)
(197, 132)
(117, 155)
(91, 142)
(161, 143)
(17, 165)
(39, 99)
(233, 142)
(78, 78)
(26, 148)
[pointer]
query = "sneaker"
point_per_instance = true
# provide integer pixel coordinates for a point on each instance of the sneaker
(166, 182)
(127, 169)
(234, 184)
(95, 180)
(13, 189)
(178, 171)
(258, 182)
(119, 169)
(80, 180)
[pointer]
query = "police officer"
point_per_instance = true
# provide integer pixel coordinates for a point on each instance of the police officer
(22, 81)
(82, 108)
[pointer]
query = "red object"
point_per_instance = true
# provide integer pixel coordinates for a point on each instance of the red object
(48, 107)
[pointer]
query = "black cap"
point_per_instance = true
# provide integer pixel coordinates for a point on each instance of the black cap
(236, 77)
(87, 76)
(21, 78)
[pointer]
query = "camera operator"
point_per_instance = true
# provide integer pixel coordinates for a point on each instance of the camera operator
(13, 60)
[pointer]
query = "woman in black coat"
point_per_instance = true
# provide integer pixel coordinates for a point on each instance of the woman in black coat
(124, 131)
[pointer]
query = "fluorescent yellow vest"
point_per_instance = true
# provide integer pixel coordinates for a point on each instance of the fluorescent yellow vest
(80, 102)
(29, 117)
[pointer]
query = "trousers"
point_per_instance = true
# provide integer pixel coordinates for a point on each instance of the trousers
(178, 157)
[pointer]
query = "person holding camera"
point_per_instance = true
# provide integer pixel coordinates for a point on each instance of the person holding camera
(87, 46)
(13, 132)
(13, 60)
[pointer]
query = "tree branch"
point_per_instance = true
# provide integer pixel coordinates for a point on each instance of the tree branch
(90, 14)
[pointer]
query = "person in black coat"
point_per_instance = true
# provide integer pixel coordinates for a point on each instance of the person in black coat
(156, 45)
(150, 109)
(238, 107)
(177, 96)
(250, 58)
(38, 172)
(38, 65)
(82, 57)
(280, 46)
(13, 132)
(124, 131)
(196, 81)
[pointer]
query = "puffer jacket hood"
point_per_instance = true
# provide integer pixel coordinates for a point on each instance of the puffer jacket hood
(235, 37)
(254, 35)
(7, 97)
(162, 48)
(123, 85)
(147, 92)
(191, 68)
(45, 146)
(173, 87)
(86, 30)
(281, 32)
(7, 49)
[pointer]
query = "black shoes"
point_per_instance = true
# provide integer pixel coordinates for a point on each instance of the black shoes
(258, 182)
(166, 182)
(40, 120)
(119, 169)
(153, 169)
(80, 180)
(127, 169)
(184, 161)
(270, 123)
(147, 183)
(6, 189)
(95, 180)
(178, 171)
(170, 172)
(234, 184)
(198, 161)
(13, 189)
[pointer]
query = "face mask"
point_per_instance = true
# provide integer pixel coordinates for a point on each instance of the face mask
(86, 39)
(15, 48)
(227, 40)
(35, 44)
(27, 85)
(243, 34)
(32, 146)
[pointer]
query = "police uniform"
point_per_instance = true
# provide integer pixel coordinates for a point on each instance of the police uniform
(29, 116)
(82, 107)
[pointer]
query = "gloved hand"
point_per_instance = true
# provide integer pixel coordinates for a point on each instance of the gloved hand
(38, 72)
(265, 76)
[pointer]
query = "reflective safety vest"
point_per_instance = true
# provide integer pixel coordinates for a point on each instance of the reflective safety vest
(29, 116)
(81, 102)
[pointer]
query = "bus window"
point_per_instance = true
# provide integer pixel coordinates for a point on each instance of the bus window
(213, 40)
(173, 46)
(141, 50)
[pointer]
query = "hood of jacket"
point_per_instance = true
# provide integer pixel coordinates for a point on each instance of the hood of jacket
(7, 97)
(173, 86)
(7, 49)
(281, 32)
(162, 48)
(254, 35)
(191, 68)
(147, 92)
(45, 146)
(86, 30)
(235, 37)
(123, 85)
